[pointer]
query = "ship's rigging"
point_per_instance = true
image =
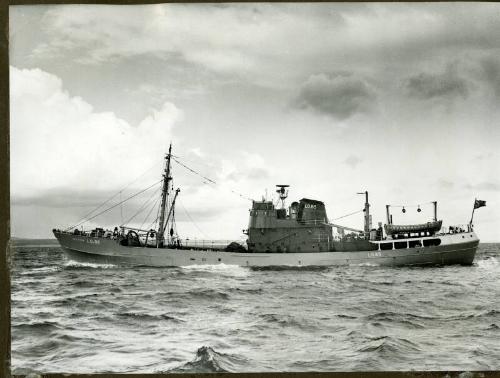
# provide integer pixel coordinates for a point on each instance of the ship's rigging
(163, 227)
(165, 222)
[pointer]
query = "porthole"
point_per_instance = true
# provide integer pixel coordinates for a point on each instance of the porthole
(218, 259)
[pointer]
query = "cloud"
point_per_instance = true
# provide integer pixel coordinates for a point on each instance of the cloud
(484, 156)
(445, 184)
(485, 185)
(272, 44)
(243, 167)
(352, 161)
(338, 95)
(59, 141)
(448, 84)
(491, 73)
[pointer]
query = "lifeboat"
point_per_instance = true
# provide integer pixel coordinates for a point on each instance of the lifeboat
(431, 227)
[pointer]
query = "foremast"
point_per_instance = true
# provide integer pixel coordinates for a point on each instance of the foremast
(164, 198)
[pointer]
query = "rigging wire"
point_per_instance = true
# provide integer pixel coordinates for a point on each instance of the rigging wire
(208, 179)
(119, 203)
(151, 224)
(192, 221)
(149, 213)
(417, 205)
(193, 171)
(142, 208)
(193, 161)
(82, 219)
(344, 216)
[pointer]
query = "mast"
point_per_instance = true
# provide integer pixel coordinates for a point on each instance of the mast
(367, 213)
(164, 197)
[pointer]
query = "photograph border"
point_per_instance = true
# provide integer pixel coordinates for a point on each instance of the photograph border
(5, 258)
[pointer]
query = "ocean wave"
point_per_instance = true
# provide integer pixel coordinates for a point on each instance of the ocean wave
(208, 294)
(231, 270)
(71, 264)
(207, 360)
(388, 345)
(344, 316)
(364, 264)
(405, 319)
(148, 317)
(304, 268)
(45, 326)
(288, 321)
(246, 291)
(488, 263)
(41, 270)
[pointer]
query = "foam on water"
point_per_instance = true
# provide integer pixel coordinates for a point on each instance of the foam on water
(365, 264)
(78, 264)
(42, 270)
(225, 269)
(488, 263)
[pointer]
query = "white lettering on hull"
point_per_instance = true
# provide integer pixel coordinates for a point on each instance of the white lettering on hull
(88, 241)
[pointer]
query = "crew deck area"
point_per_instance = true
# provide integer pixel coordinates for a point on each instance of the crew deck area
(454, 234)
(147, 239)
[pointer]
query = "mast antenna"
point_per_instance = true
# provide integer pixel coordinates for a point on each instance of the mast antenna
(283, 193)
(164, 197)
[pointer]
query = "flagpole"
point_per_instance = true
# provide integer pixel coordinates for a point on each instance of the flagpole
(473, 208)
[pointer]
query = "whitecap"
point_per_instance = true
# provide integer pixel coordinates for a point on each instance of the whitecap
(488, 263)
(42, 269)
(365, 264)
(77, 264)
(225, 269)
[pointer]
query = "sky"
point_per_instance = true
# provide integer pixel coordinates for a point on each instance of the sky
(401, 100)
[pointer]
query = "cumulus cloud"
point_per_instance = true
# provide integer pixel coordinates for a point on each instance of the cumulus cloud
(58, 141)
(245, 166)
(338, 95)
(352, 161)
(448, 84)
(445, 184)
(485, 185)
(491, 73)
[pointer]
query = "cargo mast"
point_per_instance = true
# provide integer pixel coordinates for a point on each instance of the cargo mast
(367, 213)
(164, 197)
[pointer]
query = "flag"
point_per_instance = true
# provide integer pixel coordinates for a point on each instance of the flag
(479, 203)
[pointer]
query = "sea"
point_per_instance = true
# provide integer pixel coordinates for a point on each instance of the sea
(87, 318)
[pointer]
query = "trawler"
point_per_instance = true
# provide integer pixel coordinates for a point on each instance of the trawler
(277, 235)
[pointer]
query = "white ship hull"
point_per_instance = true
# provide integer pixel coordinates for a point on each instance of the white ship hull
(453, 249)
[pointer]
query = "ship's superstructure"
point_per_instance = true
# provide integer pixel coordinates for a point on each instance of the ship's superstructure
(300, 234)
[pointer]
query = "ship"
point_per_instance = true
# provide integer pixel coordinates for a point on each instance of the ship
(298, 235)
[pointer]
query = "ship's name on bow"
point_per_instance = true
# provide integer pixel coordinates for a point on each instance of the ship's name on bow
(88, 241)
(310, 206)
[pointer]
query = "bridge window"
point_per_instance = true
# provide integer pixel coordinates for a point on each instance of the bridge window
(415, 243)
(400, 245)
(386, 246)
